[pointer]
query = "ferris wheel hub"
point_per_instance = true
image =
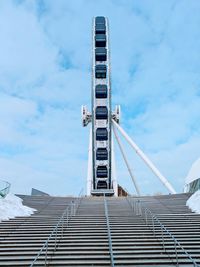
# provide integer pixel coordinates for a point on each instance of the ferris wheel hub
(116, 115)
(86, 116)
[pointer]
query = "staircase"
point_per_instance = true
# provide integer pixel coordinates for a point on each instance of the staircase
(85, 240)
(134, 242)
(21, 238)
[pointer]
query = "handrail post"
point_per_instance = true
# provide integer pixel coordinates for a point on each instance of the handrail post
(71, 209)
(46, 253)
(55, 244)
(153, 224)
(146, 216)
(176, 253)
(62, 224)
(163, 239)
(67, 215)
(137, 204)
(109, 234)
(136, 207)
(131, 203)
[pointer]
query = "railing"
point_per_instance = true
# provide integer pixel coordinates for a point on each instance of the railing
(152, 221)
(4, 188)
(58, 231)
(109, 233)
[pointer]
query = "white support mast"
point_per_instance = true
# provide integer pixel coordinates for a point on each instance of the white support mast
(126, 161)
(89, 173)
(145, 159)
(113, 171)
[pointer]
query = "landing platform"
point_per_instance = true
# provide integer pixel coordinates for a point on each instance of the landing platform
(106, 192)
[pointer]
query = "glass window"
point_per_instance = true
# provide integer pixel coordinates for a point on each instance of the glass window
(194, 186)
(101, 134)
(101, 91)
(102, 172)
(101, 113)
(101, 153)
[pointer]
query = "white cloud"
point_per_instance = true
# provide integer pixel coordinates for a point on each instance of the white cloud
(26, 53)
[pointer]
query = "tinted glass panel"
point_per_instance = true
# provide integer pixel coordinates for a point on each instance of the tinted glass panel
(101, 113)
(100, 25)
(100, 29)
(100, 40)
(194, 186)
(102, 154)
(100, 71)
(102, 172)
(100, 20)
(101, 54)
(101, 91)
(101, 134)
(101, 185)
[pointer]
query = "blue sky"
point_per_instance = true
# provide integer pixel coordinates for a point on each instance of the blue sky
(45, 77)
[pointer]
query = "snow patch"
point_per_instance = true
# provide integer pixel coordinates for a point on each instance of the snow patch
(11, 206)
(194, 202)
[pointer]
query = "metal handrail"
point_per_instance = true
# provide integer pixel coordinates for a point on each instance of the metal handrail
(109, 233)
(5, 190)
(138, 208)
(64, 219)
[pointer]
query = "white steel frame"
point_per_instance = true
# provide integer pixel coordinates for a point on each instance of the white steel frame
(112, 123)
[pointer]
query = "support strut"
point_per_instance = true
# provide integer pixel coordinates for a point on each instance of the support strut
(126, 161)
(145, 159)
(89, 173)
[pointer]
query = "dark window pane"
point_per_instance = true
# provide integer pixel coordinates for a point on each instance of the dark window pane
(100, 71)
(100, 29)
(100, 40)
(101, 54)
(102, 185)
(101, 91)
(100, 20)
(101, 154)
(101, 134)
(101, 113)
(194, 186)
(102, 172)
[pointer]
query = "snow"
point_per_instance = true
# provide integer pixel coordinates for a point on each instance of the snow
(11, 206)
(194, 172)
(194, 202)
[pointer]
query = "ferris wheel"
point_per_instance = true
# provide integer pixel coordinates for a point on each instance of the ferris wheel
(101, 177)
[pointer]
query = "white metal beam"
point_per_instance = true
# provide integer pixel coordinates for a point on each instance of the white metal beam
(113, 171)
(145, 159)
(90, 169)
(126, 161)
